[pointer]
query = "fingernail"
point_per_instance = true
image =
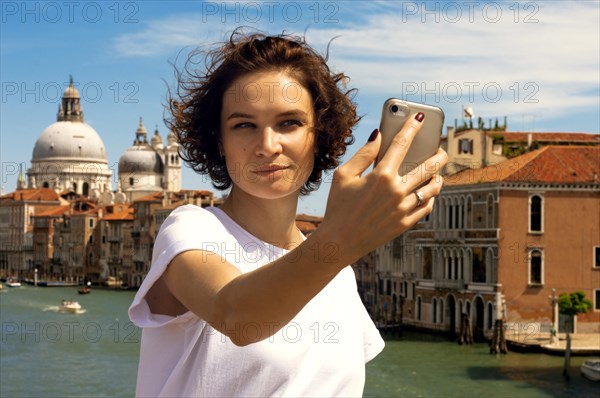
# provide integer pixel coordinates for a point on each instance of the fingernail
(373, 135)
(419, 117)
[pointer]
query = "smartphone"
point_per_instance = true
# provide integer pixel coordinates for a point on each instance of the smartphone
(394, 114)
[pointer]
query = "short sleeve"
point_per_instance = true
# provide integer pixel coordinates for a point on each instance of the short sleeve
(187, 228)
(373, 342)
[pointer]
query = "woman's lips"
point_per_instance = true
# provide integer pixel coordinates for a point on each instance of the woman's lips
(272, 169)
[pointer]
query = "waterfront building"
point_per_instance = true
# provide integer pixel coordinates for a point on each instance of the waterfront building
(73, 240)
(149, 213)
(45, 223)
(113, 246)
(17, 214)
(500, 242)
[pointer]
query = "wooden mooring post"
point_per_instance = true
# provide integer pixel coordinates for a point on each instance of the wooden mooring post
(498, 343)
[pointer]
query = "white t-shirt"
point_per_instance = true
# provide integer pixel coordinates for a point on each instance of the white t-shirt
(321, 352)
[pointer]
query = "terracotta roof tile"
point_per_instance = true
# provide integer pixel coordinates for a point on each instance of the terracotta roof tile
(41, 194)
(126, 214)
(547, 137)
(550, 164)
(55, 211)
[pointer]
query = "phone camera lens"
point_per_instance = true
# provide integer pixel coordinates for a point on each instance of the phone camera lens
(394, 108)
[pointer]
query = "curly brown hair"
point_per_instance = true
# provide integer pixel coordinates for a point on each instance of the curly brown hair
(196, 107)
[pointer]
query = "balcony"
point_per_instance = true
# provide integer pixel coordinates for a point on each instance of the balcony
(450, 284)
(449, 235)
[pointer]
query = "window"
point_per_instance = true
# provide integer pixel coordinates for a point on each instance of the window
(91, 223)
(597, 300)
(465, 146)
(478, 273)
(536, 271)
(535, 213)
(490, 211)
(427, 263)
(131, 181)
(419, 308)
(434, 310)
(597, 257)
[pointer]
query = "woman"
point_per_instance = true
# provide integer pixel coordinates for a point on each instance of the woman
(238, 302)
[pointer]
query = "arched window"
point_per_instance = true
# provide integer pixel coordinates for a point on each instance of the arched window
(535, 214)
(536, 267)
(46, 185)
(86, 189)
(490, 319)
(131, 181)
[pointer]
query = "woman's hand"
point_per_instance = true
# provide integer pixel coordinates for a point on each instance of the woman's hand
(366, 211)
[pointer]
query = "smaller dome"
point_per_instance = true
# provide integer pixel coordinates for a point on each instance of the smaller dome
(140, 159)
(156, 139)
(141, 129)
(71, 92)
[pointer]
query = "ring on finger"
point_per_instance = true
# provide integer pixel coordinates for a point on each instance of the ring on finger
(420, 198)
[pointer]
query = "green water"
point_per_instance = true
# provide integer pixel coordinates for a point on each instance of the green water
(48, 353)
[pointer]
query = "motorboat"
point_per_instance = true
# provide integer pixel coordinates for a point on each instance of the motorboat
(70, 306)
(84, 290)
(13, 283)
(591, 369)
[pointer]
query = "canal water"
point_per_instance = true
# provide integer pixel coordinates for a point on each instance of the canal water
(45, 352)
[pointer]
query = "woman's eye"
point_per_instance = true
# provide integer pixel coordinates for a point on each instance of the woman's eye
(243, 125)
(291, 122)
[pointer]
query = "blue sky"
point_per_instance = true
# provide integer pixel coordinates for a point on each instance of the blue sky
(535, 62)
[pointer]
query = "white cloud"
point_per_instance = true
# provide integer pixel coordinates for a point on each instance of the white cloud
(547, 67)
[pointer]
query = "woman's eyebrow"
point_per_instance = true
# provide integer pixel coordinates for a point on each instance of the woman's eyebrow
(239, 115)
(293, 112)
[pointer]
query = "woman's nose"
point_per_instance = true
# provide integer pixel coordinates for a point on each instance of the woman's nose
(268, 143)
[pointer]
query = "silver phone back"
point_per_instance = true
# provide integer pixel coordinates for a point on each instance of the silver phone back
(426, 142)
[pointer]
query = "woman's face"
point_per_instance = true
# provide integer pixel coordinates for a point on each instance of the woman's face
(267, 134)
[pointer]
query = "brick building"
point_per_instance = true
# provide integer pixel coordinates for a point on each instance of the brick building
(499, 240)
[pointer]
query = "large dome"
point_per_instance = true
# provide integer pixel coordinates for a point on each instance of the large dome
(70, 140)
(140, 159)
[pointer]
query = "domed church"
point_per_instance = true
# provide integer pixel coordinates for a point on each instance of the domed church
(69, 154)
(149, 167)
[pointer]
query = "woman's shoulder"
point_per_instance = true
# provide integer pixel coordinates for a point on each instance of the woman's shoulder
(191, 214)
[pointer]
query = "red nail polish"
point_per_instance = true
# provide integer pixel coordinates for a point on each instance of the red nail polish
(373, 135)
(419, 117)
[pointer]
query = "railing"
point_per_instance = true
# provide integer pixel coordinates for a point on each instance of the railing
(450, 284)
(449, 234)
